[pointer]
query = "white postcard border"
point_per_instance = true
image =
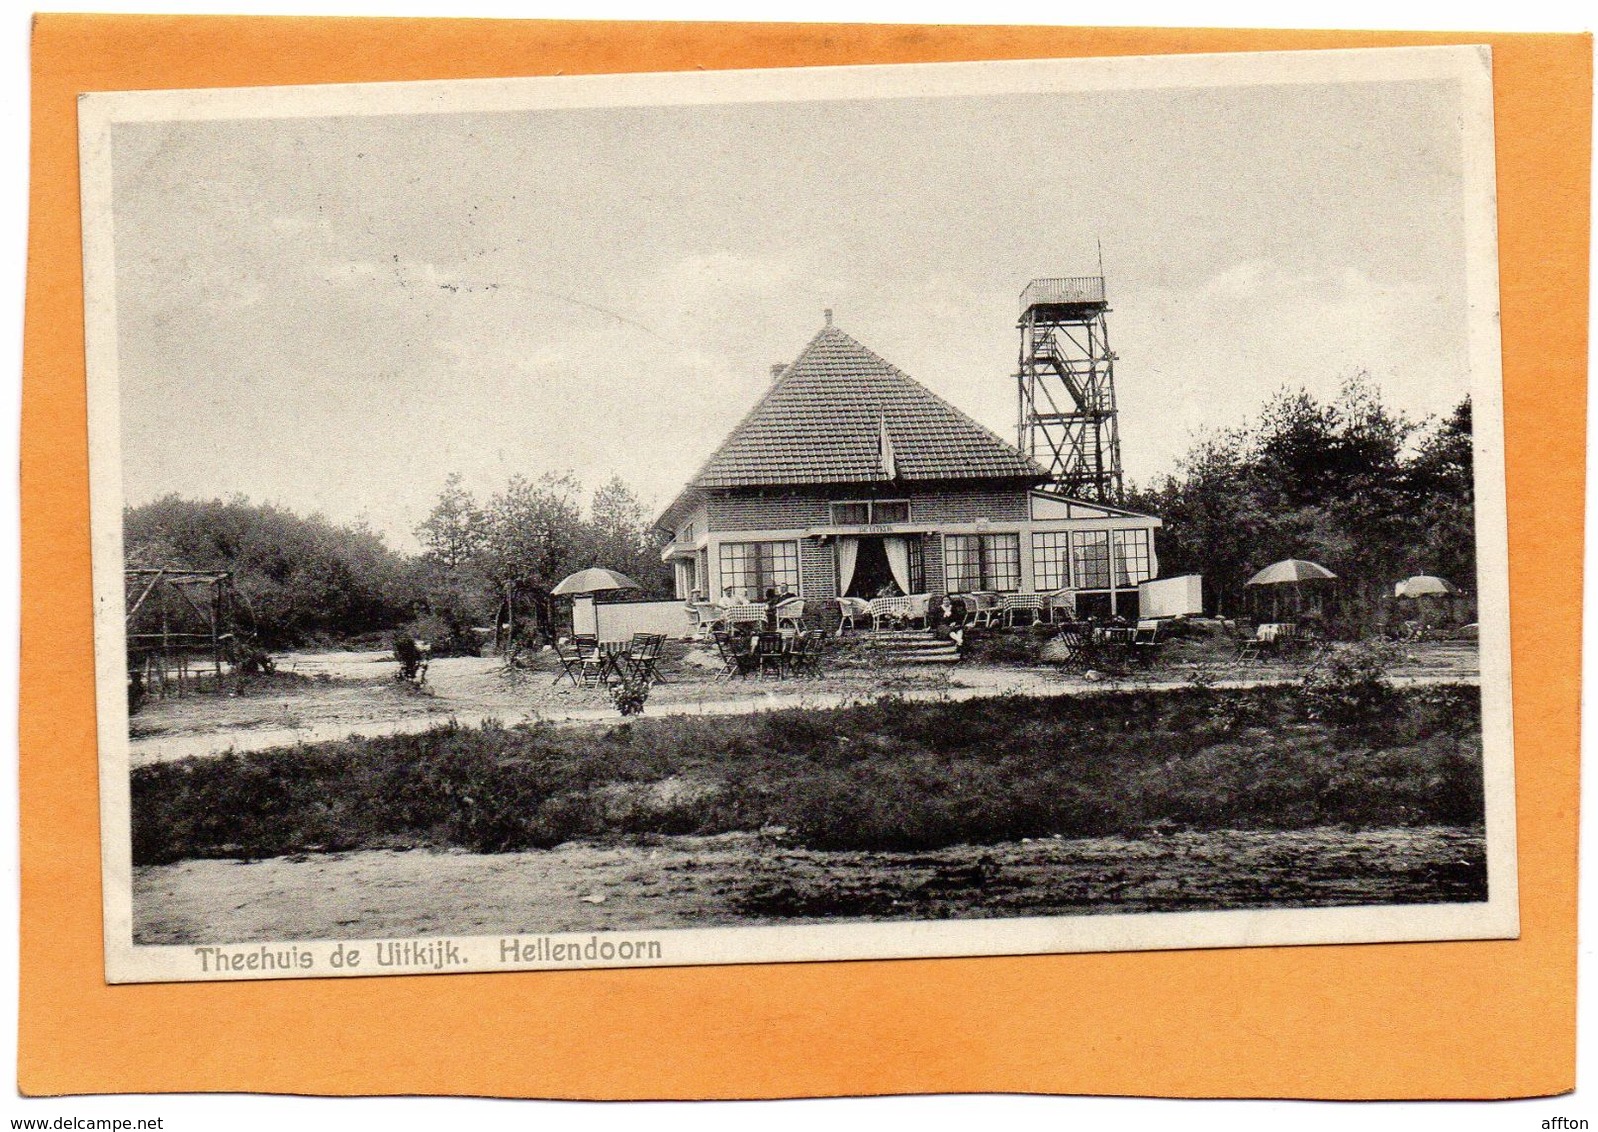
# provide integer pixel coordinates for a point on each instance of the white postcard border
(1498, 917)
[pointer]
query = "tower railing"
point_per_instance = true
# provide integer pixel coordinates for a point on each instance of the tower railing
(1063, 290)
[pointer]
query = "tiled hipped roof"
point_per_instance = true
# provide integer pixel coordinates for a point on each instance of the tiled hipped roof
(822, 422)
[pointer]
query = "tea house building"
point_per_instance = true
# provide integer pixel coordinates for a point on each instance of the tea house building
(849, 478)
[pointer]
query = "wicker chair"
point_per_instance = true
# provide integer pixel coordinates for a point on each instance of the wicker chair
(850, 611)
(791, 613)
(1060, 602)
(985, 609)
(707, 618)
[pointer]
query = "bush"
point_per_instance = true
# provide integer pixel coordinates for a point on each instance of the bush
(629, 694)
(1349, 688)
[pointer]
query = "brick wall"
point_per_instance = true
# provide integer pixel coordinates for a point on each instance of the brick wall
(818, 582)
(797, 511)
(767, 513)
(968, 506)
(932, 562)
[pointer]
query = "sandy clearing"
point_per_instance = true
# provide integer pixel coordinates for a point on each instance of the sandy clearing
(355, 694)
(744, 879)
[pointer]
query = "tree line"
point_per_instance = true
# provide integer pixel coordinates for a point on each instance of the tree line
(1349, 483)
(306, 579)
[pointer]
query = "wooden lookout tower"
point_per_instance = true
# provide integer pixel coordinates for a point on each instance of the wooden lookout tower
(1067, 387)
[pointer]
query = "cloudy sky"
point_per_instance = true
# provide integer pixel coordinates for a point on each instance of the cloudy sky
(335, 313)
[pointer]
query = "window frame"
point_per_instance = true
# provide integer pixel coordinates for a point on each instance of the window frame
(986, 562)
(871, 505)
(1057, 543)
(1082, 574)
(1121, 575)
(767, 553)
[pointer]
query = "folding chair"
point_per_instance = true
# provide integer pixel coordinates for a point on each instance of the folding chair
(644, 655)
(1146, 642)
(571, 662)
(771, 653)
(1074, 640)
(592, 657)
(734, 661)
(804, 652)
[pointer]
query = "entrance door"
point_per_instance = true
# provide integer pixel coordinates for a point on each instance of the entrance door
(873, 567)
(871, 570)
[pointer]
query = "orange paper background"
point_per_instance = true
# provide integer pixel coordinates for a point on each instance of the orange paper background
(1420, 1020)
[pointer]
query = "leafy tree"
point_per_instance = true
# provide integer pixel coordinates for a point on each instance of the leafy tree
(535, 537)
(302, 578)
(455, 531)
(1343, 483)
(622, 537)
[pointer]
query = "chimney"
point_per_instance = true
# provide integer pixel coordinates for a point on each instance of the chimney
(828, 315)
(778, 370)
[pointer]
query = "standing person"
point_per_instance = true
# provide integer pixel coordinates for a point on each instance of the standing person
(772, 601)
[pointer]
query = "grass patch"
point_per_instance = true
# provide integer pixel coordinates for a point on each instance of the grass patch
(885, 775)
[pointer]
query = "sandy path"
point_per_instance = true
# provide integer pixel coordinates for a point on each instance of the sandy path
(744, 879)
(355, 694)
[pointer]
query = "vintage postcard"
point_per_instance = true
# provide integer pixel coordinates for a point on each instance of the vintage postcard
(838, 513)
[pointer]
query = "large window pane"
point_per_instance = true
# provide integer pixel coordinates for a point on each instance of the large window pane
(982, 562)
(1132, 557)
(755, 567)
(1051, 563)
(1090, 559)
(1001, 562)
(962, 564)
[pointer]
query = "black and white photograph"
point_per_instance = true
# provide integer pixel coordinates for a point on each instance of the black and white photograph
(832, 513)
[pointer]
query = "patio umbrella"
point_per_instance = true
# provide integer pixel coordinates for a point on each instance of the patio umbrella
(1425, 585)
(1290, 570)
(594, 579)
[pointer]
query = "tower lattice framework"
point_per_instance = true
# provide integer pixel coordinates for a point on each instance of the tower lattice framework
(1067, 418)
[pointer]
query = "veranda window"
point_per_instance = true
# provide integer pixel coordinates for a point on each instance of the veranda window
(982, 562)
(1090, 559)
(1132, 559)
(1051, 563)
(755, 567)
